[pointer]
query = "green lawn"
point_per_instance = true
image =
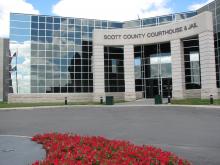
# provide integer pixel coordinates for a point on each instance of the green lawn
(195, 102)
(14, 105)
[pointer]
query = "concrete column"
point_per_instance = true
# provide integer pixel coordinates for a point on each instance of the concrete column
(98, 72)
(4, 48)
(130, 94)
(207, 64)
(178, 70)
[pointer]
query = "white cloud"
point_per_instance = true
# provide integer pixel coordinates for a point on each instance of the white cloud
(196, 6)
(117, 10)
(7, 6)
(23, 65)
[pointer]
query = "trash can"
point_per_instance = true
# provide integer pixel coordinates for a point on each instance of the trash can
(109, 100)
(158, 99)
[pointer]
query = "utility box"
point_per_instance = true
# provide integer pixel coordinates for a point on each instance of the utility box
(109, 100)
(158, 99)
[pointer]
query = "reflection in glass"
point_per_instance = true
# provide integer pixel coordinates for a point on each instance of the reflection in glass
(153, 69)
(192, 64)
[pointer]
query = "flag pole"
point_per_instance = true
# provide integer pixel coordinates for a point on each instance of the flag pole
(17, 70)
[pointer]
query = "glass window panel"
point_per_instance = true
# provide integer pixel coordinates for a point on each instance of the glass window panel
(34, 90)
(20, 17)
(57, 20)
(42, 39)
(34, 18)
(42, 33)
(34, 25)
(20, 31)
(56, 26)
(42, 19)
(49, 26)
(41, 46)
(34, 39)
(64, 27)
(49, 19)
(78, 34)
(115, 24)
(64, 20)
(165, 19)
(71, 21)
(19, 24)
(49, 33)
(98, 23)
(78, 21)
(104, 24)
(49, 39)
(33, 68)
(41, 89)
(34, 47)
(194, 56)
(34, 32)
(149, 22)
(42, 25)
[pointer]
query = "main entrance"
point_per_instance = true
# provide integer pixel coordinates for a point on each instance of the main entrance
(160, 86)
(153, 62)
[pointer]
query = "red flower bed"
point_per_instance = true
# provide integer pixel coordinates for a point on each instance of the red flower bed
(68, 149)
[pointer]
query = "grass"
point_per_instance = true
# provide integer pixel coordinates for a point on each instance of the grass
(195, 102)
(15, 105)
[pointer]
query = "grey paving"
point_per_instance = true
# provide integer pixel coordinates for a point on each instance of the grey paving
(16, 150)
(191, 132)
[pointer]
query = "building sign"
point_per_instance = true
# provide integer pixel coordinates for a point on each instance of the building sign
(151, 34)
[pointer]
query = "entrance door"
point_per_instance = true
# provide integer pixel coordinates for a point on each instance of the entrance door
(166, 87)
(158, 86)
(156, 70)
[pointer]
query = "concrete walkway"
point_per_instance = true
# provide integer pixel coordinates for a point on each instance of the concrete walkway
(19, 150)
(143, 102)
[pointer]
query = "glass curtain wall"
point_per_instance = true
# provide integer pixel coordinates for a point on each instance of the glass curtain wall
(159, 20)
(20, 45)
(153, 73)
(114, 68)
(192, 63)
(55, 53)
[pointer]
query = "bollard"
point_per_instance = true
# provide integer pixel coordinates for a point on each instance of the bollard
(65, 100)
(101, 100)
(169, 99)
(211, 99)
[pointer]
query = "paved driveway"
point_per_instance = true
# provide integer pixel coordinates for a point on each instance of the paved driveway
(192, 133)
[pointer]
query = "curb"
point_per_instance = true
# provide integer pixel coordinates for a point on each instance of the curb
(107, 106)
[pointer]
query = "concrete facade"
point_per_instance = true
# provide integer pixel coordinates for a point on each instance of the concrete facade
(47, 97)
(4, 51)
(98, 72)
(130, 94)
(200, 25)
(178, 69)
(207, 62)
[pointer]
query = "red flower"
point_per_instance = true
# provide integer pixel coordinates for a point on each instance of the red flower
(68, 149)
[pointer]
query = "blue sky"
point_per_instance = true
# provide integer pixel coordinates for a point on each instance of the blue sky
(118, 10)
(177, 5)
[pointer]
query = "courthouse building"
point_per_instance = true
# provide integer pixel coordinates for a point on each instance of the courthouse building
(53, 57)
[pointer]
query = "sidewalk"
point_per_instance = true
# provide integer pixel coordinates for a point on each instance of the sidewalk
(19, 150)
(137, 103)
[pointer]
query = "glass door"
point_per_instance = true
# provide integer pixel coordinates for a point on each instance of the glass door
(157, 71)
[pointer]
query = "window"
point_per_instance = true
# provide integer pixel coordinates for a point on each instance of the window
(114, 68)
(192, 64)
